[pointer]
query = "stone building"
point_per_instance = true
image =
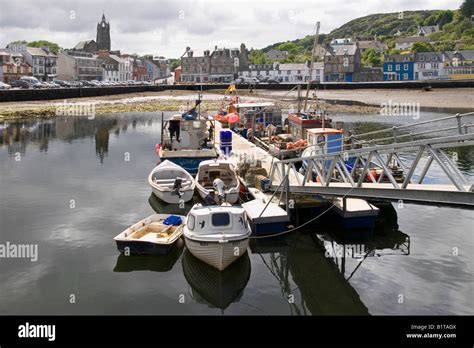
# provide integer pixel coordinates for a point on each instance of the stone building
(103, 35)
(342, 63)
(222, 65)
(86, 46)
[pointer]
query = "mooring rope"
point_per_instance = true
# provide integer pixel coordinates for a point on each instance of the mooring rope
(302, 225)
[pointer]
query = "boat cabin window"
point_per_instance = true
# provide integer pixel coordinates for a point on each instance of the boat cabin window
(191, 222)
(220, 219)
(321, 139)
(185, 126)
(197, 125)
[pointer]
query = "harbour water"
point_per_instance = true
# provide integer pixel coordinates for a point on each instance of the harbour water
(69, 185)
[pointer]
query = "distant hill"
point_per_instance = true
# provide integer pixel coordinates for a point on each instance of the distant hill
(457, 32)
(380, 24)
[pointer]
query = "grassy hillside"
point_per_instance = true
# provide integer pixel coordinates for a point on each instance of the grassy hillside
(457, 32)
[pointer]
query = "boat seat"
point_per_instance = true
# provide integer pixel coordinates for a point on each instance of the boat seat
(170, 182)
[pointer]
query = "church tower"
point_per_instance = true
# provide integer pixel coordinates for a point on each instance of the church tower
(103, 35)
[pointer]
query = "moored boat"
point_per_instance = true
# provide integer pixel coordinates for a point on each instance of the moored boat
(187, 142)
(217, 235)
(153, 235)
(171, 183)
(217, 182)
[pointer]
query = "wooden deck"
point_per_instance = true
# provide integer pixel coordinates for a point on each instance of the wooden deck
(243, 149)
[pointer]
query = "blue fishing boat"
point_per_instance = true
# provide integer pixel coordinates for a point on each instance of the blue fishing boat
(187, 141)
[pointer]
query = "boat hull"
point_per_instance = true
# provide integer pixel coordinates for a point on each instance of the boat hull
(143, 248)
(230, 197)
(215, 254)
(169, 197)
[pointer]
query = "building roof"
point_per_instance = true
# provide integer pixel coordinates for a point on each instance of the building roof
(428, 56)
(292, 66)
(464, 55)
(341, 50)
(429, 29)
(38, 51)
(366, 44)
(412, 39)
(82, 44)
(117, 58)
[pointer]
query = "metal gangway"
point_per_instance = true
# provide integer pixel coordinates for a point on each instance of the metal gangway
(413, 147)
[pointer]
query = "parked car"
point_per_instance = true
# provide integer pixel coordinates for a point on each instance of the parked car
(272, 81)
(75, 84)
(32, 81)
(4, 85)
(86, 83)
(62, 83)
(20, 84)
(95, 83)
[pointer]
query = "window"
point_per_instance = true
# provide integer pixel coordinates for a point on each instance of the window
(422, 59)
(279, 72)
(288, 72)
(405, 76)
(191, 222)
(397, 67)
(220, 219)
(405, 67)
(298, 72)
(389, 67)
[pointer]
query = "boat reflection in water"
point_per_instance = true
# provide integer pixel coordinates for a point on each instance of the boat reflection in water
(215, 288)
(315, 267)
(162, 207)
(156, 263)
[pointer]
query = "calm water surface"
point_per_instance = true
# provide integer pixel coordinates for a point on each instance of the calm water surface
(74, 189)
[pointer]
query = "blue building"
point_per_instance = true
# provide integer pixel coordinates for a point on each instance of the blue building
(399, 67)
(152, 69)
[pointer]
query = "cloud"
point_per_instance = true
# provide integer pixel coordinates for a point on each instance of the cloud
(166, 27)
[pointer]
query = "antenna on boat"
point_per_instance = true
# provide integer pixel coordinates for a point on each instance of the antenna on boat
(316, 37)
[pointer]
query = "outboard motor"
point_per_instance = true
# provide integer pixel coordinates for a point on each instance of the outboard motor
(219, 186)
(177, 186)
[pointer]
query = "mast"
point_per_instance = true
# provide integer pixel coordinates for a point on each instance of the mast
(316, 37)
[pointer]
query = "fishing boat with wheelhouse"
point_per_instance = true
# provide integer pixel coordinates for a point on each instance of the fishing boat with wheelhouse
(187, 139)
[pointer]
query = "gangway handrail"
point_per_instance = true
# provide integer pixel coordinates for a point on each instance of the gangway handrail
(395, 128)
(382, 148)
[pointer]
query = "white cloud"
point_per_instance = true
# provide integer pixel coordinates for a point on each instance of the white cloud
(167, 27)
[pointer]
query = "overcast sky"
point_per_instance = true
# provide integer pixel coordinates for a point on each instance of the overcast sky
(165, 28)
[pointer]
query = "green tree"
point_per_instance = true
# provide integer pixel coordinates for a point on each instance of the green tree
(422, 47)
(257, 57)
(371, 58)
(174, 63)
(53, 47)
(467, 8)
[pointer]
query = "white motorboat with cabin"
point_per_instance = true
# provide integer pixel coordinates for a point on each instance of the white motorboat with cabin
(171, 183)
(217, 182)
(217, 235)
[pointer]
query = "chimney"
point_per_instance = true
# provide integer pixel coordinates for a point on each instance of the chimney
(45, 48)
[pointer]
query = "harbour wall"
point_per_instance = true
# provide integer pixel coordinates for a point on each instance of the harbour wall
(67, 93)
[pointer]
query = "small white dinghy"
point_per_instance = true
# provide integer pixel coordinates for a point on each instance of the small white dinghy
(171, 183)
(154, 235)
(217, 182)
(217, 235)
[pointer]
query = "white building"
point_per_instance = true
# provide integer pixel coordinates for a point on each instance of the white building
(75, 65)
(429, 65)
(286, 73)
(299, 72)
(43, 61)
(117, 69)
